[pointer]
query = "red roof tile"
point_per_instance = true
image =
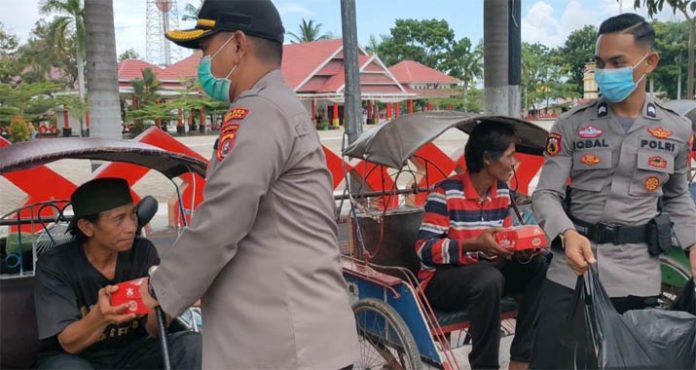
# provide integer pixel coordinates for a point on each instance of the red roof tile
(409, 71)
(187, 67)
(132, 69)
(300, 60)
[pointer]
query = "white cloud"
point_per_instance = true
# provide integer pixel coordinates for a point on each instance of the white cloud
(19, 17)
(293, 8)
(613, 7)
(542, 25)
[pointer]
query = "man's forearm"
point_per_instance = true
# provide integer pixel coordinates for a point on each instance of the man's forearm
(81, 334)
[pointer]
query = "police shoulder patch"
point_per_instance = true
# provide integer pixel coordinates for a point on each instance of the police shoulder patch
(225, 143)
(553, 144)
(236, 114)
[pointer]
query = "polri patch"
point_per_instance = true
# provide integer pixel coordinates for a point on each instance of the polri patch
(657, 161)
(602, 109)
(553, 143)
(236, 114)
(590, 160)
(590, 132)
(226, 141)
(651, 183)
(659, 132)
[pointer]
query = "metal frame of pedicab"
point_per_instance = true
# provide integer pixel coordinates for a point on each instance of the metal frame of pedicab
(33, 218)
(393, 291)
(400, 299)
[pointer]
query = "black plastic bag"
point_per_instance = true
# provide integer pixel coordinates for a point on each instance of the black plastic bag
(687, 299)
(645, 339)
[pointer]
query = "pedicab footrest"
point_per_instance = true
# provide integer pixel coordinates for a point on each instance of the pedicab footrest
(461, 318)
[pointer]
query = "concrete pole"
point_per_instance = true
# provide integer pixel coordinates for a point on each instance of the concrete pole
(352, 110)
(502, 56)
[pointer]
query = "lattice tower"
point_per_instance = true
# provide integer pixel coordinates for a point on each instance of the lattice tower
(162, 16)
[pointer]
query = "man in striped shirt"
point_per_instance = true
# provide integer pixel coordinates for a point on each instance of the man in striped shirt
(462, 265)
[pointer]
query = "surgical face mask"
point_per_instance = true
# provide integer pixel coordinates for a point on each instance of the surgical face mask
(617, 84)
(216, 88)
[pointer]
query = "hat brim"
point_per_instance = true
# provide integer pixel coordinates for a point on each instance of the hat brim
(189, 39)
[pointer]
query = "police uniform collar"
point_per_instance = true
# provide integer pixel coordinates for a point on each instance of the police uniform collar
(273, 77)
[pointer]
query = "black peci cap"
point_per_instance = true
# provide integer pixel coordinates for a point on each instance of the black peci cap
(97, 196)
(258, 18)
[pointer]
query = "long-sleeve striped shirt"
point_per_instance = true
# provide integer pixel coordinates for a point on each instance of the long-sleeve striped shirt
(453, 214)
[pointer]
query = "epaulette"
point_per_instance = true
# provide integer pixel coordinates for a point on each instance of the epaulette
(659, 104)
(577, 108)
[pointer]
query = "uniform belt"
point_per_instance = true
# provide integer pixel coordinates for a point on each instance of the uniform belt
(601, 233)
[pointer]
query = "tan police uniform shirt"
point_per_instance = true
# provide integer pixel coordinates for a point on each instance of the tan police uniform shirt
(616, 178)
(262, 249)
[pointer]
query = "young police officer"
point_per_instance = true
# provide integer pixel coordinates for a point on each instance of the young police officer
(626, 157)
(262, 249)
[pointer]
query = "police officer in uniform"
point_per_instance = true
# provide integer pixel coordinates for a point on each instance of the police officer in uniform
(626, 157)
(262, 249)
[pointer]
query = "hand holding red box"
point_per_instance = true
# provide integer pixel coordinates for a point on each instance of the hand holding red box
(521, 238)
(129, 292)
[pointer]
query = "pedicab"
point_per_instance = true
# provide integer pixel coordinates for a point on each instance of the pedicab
(37, 227)
(397, 326)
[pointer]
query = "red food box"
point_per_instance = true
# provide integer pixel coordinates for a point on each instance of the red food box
(129, 292)
(520, 238)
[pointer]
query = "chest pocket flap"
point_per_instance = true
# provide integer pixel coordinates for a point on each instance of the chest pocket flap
(592, 160)
(649, 160)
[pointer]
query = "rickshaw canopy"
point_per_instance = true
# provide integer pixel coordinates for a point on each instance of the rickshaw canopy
(29, 154)
(393, 143)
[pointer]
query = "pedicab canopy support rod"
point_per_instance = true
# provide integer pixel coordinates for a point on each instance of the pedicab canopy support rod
(352, 110)
(371, 194)
(162, 327)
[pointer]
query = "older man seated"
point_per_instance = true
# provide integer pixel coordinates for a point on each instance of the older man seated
(78, 327)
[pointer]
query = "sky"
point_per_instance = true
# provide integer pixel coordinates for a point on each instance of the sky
(545, 21)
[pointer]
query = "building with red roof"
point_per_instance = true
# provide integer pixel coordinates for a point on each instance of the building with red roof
(424, 81)
(315, 71)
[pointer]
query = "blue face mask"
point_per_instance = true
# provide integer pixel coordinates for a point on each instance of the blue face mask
(216, 88)
(617, 84)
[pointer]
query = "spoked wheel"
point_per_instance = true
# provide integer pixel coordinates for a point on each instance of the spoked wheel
(385, 340)
(674, 277)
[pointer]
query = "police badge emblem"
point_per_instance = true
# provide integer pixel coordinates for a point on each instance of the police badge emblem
(553, 144)
(225, 143)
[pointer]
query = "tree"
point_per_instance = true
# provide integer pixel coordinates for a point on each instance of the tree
(104, 105)
(144, 97)
(470, 66)
(671, 41)
(688, 9)
(578, 50)
(128, 54)
(70, 17)
(372, 45)
(191, 11)
(8, 41)
(309, 32)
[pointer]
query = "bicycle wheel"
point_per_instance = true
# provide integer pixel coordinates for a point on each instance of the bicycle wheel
(674, 277)
(385, 340)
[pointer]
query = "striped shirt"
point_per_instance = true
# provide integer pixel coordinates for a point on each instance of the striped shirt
(453, 214)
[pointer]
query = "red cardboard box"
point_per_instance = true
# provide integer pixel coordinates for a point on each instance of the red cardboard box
(520, 238)
(129, 292)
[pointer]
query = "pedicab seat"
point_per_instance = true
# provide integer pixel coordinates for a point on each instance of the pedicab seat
(399, 234)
